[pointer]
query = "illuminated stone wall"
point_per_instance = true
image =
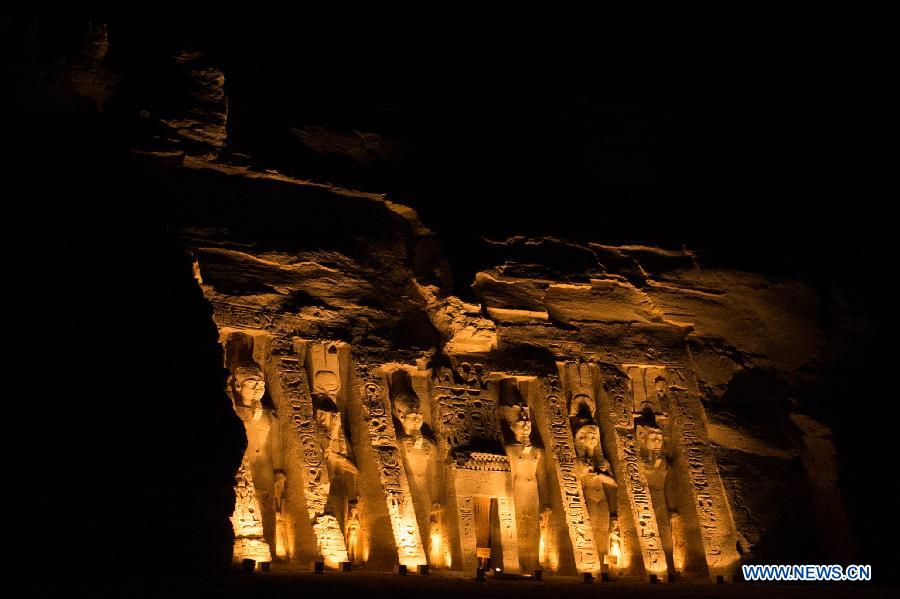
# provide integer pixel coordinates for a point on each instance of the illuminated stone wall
(560, 424)
(460, 456)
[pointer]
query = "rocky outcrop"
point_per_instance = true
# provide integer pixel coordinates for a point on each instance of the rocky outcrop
(327, 263)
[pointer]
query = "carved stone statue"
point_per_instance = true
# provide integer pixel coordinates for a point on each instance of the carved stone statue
(406, 409)
(353, 530)
(325, 369)
(255, 486)
(650, 440)
(436, 548)
(661, 395)
(590, 456)
(247, 519)
(521, 428)
(679, 542)
(248, 387)
(544, 548)
(332, 431)
(593, 471)
(518, 418)
(615, 541)
(282, 533)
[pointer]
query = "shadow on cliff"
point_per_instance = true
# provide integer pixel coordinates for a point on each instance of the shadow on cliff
(130, 444)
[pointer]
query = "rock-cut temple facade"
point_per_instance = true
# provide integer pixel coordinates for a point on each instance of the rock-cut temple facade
(557, 423)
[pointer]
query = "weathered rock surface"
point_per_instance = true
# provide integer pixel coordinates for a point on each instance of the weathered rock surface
(764, 383)
(319, 262)
(291, 257)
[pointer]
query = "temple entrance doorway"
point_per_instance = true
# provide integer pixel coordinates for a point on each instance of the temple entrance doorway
(487, 532)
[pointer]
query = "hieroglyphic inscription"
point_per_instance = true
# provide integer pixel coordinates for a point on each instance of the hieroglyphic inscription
(291, 373)
(235, 316)
(563, 448)
(509, 538)
(713, 513)
(383, 438)
(240, 317)
(638, 491)
(467, 536)
(467, 416)
(489, 462)
(648, 388)
(619, 411)
(330, 538)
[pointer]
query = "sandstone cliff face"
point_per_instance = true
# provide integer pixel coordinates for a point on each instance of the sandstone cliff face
(324, 263)
(321, 262)
(781, 366)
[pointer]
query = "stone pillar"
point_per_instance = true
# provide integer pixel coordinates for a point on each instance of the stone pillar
(378, 422)
(293, 401)
(552, 418)
(595, 476)
(524, 461)
(639, 528)
(698, 470)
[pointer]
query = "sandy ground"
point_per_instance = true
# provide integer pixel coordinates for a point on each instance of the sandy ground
(370, 585)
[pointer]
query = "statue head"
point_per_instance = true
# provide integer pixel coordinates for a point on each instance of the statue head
(437, 511)
(615, 540)
(653, 441)
(406, 411)
(327, 382)
(249, 385)
(521, 426)
(587, 439)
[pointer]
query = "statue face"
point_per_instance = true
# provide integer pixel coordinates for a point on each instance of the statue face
(409, 418)
(588, 437)
(412, 424)
(521, 430)
(251, 388)
(654, 441)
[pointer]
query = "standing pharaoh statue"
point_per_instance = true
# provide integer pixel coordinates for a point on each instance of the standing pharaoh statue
(593, 471)
(419, 456)
(353, 532)
(246, 388)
